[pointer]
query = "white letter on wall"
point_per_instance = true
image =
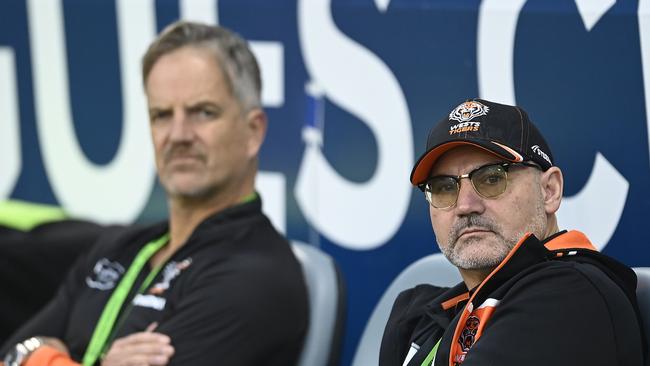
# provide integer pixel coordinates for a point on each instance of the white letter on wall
(118, 191)
(11, 162)
(496, 41)
(583, 209)
(644, 38)
(356, 216)
(269, 54)
(203, 11)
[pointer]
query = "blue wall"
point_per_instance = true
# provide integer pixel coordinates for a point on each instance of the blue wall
(381, 73)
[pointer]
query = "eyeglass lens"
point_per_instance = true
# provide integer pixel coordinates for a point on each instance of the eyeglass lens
(488, 181)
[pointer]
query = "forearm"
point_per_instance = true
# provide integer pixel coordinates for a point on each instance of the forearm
(39, 351)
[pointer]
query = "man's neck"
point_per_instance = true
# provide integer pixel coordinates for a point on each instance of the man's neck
(552, 227)
(473, 277)
(185, 215)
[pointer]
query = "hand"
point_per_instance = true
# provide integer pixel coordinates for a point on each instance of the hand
(140, 349)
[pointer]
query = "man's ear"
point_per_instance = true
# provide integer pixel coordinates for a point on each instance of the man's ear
(256, 122)
(552, 184)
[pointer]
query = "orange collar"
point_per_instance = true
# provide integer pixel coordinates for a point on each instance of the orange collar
(570, 240)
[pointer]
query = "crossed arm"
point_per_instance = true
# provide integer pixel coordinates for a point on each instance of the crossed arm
(146, 348)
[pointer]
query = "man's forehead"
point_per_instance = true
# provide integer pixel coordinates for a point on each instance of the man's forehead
(188, 76)
(462, 159)
(186, 63)
(186, 93)
(186, 102)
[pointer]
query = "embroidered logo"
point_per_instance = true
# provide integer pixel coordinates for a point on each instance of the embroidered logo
(170, 272)
(106, 274)
(541, 153)
(468, 334)
(470, 329)
(464, 127)
(467, 111)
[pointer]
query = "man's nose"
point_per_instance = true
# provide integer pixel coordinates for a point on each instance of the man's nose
(181, 128)
(469, 201)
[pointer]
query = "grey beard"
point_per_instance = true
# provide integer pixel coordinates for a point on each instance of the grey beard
(476, 262)
(536, 225)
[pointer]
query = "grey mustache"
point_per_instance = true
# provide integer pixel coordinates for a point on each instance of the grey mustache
(182, 151)
(470, 221)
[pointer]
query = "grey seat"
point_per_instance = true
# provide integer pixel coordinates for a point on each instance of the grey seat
(643, 298)
(326, 292)
(433, 269)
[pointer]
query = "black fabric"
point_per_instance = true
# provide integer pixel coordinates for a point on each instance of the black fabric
(551, 312)
(34, 263)
(235, 295)
(417, 317)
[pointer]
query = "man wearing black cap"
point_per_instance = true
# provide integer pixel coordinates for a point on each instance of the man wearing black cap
(531, 294)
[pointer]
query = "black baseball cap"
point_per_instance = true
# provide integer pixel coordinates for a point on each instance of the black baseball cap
(503, 130)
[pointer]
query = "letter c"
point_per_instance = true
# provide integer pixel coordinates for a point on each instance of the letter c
(496, 43)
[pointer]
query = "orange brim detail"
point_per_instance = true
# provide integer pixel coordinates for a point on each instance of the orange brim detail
(423, 167)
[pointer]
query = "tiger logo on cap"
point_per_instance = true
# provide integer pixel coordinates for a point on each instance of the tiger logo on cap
(467, 111)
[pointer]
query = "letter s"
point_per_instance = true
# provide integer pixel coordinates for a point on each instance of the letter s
(355, 216)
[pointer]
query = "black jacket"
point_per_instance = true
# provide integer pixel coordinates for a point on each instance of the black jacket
(234, 294)
(33, 264)
(554, 303)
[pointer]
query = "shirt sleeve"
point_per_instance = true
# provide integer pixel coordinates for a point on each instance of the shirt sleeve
(34, 263)
(238, 318)
(52, 320)
(565, 315)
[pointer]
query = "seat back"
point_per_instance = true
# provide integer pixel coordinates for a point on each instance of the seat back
(643, 298)
(433, 269)
(326, 292)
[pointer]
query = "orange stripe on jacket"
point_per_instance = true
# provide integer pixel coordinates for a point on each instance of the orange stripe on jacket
(475, 320)
(456, 354)
(454, 300)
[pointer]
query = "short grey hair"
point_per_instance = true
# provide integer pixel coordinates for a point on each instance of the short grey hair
(231, 51)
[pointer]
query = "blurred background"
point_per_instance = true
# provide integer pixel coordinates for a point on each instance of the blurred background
(351, 88)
